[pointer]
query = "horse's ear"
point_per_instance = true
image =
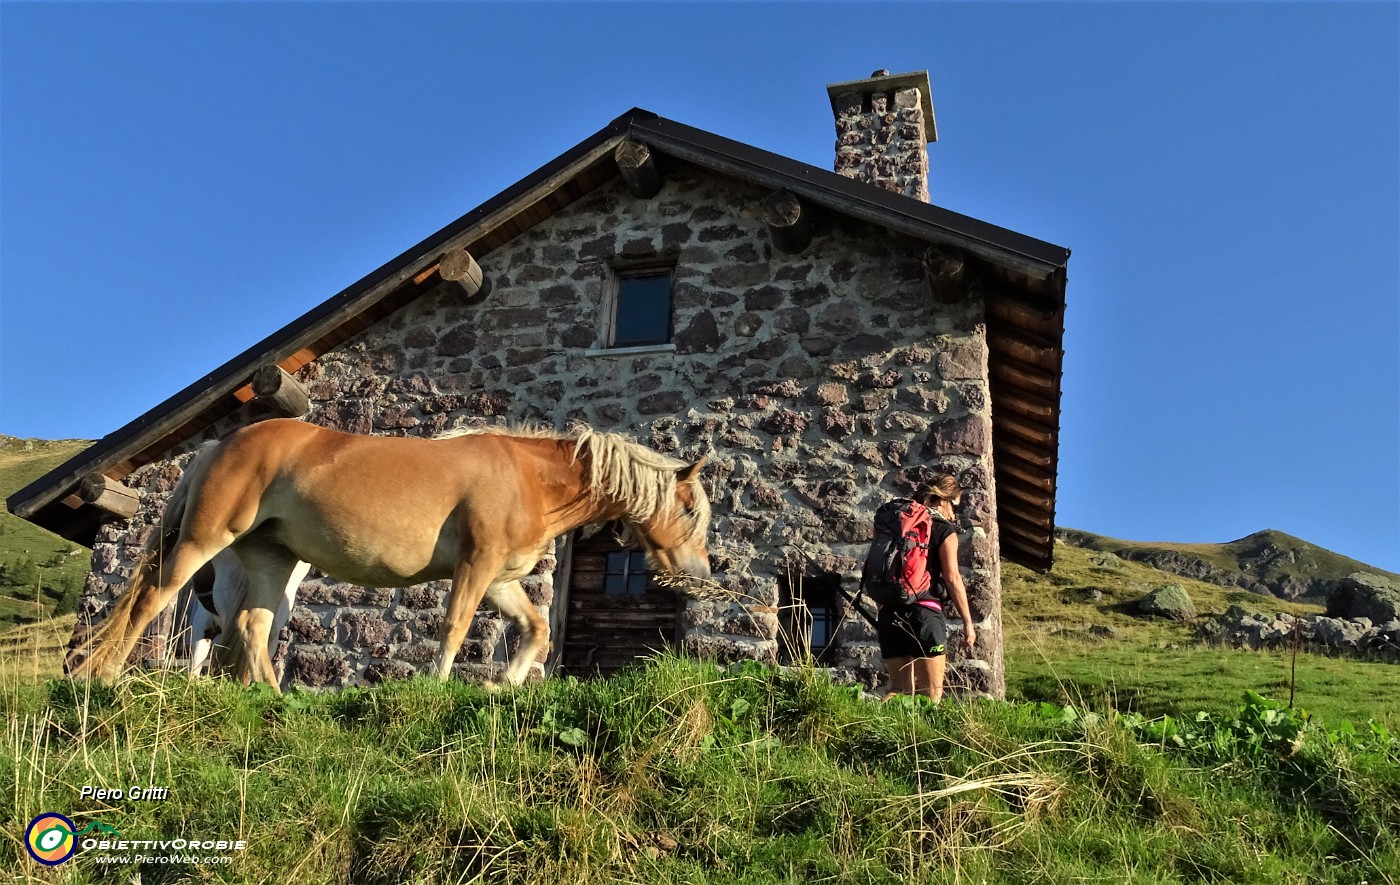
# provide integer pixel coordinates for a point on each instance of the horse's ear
(686, 474)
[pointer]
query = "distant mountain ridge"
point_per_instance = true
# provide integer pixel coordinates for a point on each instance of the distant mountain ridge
(1268, 562)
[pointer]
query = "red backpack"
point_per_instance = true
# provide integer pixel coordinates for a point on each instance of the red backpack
(896, 566)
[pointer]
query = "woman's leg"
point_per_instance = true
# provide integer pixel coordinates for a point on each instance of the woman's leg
(928, 676)
(901, 672)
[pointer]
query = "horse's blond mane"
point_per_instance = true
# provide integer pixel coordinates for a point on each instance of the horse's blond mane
(619, 469)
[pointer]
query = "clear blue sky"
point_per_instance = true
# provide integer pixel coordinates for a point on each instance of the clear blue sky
(179, 180)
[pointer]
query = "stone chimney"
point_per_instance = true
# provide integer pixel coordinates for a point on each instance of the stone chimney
(883, 125)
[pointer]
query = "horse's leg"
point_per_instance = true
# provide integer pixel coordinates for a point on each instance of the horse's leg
(511, 601)
(149, 600)
(200, 624)
(268, 568)
(469, 582)
(285, 606)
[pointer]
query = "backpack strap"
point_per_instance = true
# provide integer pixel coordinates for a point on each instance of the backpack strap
(939, 531)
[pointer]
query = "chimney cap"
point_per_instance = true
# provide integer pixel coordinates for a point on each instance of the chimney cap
(883, 81)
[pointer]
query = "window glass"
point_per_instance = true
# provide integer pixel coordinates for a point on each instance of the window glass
(626, 573)
(643, 311)
(822, 617)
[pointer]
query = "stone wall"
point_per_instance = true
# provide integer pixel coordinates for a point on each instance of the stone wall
(819, 385)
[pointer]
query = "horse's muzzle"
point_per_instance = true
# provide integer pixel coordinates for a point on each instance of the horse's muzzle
(694, 566)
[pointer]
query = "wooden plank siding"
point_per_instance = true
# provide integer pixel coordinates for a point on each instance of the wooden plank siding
(605, 632)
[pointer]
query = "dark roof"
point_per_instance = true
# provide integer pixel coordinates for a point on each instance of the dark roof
(1025, 311)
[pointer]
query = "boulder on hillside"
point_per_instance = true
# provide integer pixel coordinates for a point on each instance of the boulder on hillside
(1105, 560)
(1168, 601)
(1365, 595)
(1339, 633)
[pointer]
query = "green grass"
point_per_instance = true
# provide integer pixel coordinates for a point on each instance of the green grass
(1155, 666)
(34, 651)
(58, 565)
(684, 773)
(1157, 681)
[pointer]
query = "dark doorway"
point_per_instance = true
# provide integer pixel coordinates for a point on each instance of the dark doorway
(615, 612)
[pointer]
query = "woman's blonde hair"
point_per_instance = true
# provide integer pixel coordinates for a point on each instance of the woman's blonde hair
(944, 486)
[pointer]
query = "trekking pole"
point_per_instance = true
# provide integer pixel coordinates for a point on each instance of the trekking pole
(857, 606)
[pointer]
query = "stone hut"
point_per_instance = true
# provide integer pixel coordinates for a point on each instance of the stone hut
(827, 339)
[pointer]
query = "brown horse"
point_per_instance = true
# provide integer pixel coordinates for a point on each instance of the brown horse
(479, 507)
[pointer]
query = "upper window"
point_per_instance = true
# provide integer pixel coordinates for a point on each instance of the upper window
(626, 573)
(641, 308)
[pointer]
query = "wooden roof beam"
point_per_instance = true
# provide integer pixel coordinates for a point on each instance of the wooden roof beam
(638, 168)
(1025, 529)
(284, 393)
(1027, 347)
(789, 222)
(461, 273)
(944, 273)
(114, 500)
(1014, 488)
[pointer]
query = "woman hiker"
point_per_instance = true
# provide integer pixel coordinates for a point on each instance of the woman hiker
(912, 636)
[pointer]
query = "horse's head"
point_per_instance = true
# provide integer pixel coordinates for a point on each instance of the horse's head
(674, 535)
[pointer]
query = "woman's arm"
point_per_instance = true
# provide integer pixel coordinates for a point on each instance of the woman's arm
(948, 558)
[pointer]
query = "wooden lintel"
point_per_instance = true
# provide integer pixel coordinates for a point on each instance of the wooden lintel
(111, 497)
(944, 268)
(274, 386)
(789, 222)
(464, 276)
(638, 168)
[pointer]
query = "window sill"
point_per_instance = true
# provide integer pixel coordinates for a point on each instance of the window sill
(630, 351)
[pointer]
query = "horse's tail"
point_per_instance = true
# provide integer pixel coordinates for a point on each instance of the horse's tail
(144, 576)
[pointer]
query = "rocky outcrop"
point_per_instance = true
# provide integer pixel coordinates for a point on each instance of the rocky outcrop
(1357, 637)
(1365, 596)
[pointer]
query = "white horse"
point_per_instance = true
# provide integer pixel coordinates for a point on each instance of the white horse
(220, 593)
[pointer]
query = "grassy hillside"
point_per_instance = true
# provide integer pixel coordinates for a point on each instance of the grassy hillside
(1127, 754)
(41, 574)
(1072, 636)
(685, 773)
(1265, 562)
(33, 652)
